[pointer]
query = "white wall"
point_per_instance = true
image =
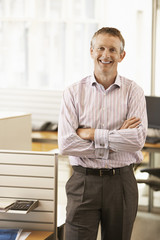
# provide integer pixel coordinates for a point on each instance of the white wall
(43, 105)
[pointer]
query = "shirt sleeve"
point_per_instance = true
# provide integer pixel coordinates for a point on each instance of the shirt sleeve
(69, 142)
(127, 140)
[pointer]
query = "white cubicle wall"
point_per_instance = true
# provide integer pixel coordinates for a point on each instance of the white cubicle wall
(15, 131)
(29, 175)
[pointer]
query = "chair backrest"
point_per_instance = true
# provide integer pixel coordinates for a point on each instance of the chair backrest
(30, 175)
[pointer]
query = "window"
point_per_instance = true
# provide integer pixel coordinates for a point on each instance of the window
(44, 44)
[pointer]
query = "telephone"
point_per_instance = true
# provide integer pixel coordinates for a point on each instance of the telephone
(49, 126)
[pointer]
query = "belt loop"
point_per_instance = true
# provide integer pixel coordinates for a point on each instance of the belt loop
(114, 171)
(101, 173)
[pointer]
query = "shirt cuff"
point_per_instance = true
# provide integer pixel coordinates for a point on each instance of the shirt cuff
(101, 138)
(102, 153)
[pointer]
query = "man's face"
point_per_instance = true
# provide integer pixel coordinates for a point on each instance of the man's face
(106, 54)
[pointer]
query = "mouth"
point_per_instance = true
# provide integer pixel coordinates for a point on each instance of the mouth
(105, 62)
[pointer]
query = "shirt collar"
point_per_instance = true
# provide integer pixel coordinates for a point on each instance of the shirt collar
(93, 80)
(117, 81)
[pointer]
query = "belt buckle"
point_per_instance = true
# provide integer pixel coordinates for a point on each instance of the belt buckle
(101, 173)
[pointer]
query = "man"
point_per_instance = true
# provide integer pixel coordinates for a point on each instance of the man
(102, 127)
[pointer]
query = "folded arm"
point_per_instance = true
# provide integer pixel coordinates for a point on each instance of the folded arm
(113, 143)
(94, 143)
(69, 142)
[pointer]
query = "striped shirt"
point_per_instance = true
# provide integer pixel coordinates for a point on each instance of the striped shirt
(86, 104)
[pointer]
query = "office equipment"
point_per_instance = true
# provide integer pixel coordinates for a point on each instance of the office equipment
(23, 206)
(153, 183)
(153, 171)
(150, 203)
(30, 175)
(49, 126)
(150, 139)
(153, 106)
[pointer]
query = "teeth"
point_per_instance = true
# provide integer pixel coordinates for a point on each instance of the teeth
(105, 62)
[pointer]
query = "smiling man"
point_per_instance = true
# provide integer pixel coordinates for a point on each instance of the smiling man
(107, 51)
(102, 127)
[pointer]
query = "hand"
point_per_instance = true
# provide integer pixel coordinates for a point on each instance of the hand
(131, 123)
(86, 133)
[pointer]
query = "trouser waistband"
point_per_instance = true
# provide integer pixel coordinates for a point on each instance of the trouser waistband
(102, 171)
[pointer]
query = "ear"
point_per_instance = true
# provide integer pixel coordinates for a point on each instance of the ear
(122, 55)
(91, 52)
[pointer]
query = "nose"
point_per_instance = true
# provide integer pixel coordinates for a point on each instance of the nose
(106, 53)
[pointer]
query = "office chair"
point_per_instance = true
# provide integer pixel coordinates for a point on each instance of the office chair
(153, 183)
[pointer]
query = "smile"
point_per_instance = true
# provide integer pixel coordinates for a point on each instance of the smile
(105, 62)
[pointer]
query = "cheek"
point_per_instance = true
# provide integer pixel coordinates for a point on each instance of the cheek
(117, 58)
(95, 55)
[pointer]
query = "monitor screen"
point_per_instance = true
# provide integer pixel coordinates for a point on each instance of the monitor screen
(153, 111)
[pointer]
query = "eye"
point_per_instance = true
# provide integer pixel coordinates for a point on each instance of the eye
(112, 50)
(101, 49)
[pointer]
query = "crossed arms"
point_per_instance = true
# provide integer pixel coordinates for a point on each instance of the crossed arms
(88, 133)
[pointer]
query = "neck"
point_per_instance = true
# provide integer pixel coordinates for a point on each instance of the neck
(105, 80)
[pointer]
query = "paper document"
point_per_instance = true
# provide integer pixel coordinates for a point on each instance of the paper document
(5, 203)
(10, 234)
(24, 235)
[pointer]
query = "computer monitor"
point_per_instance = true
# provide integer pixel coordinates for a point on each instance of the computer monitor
(153, 111)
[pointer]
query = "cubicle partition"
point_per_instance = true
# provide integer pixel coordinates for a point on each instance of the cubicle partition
(33, 176)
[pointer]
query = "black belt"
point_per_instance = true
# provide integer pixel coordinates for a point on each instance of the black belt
(102, 171)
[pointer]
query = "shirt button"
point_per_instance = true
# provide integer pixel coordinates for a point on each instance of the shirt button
(102, 145)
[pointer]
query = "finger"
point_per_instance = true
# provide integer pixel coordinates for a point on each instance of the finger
(133, 120)
(130, 121)
(135, 125)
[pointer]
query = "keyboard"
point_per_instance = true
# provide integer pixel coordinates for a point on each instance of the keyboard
(152, 139)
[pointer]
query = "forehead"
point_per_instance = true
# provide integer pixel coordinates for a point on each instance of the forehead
(107, 40)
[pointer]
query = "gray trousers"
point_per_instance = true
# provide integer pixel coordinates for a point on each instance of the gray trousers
(109, 200)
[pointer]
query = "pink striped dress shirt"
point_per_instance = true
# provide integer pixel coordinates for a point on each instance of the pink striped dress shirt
(86, 104)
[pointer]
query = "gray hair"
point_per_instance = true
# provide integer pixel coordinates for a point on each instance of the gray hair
(108, 30)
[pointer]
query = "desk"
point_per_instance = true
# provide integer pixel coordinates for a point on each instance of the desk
(152, 146)
(39, 235)
(151, 149)
(44, 141)
(52, 137)
(48, 137)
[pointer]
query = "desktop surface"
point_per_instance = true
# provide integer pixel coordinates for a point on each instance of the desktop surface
(39, 235)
